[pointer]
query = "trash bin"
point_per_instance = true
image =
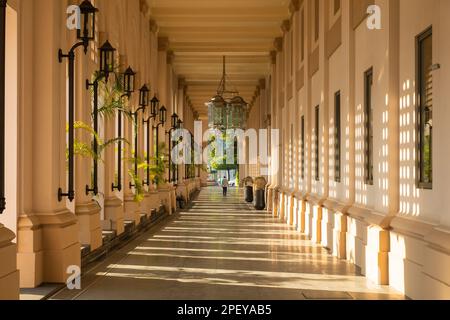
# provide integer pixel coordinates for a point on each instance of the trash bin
(248, 183)
(260, 186)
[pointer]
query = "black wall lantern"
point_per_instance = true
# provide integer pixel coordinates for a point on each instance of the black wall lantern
(162, 122)
(180, 126)
(154, 107)
(87, 31)
(154, 112)
(175, 126)
(106, 67)
(2, 103)
(143, 104)
(107, 59)
(85, 34)
(128, 85)
(129, 79)
(144, 96)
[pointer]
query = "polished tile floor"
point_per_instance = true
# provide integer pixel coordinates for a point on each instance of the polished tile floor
(222, 249)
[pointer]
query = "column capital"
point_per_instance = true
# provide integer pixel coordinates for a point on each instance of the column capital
(278, 44)
(294, 6)
(181, 83)
(195, 114)
(262, 84)
(170, 57)
(273, 57)
(257, 92)
(163, 43)
(143, 6)
(268, 120)
(154, 28)
(286, 26)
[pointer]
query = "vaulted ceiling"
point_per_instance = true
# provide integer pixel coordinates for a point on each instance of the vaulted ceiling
(200, 32)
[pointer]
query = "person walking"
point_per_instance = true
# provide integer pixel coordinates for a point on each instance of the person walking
(225, 185)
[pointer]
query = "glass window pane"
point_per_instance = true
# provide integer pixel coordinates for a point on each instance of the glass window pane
(425, 62)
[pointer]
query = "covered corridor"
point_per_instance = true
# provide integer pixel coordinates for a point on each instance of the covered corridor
(222, 249)
(337, 111)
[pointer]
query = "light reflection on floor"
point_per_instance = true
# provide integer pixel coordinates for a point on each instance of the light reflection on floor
(220, 249)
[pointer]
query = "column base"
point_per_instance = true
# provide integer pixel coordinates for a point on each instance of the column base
(132, 210)
(368, 246)
(291, 208)
(316, 232)
(419, 259)
(47, 245)
(89, 223)
(269, 196)
(165, 198)
(9, 275)
(146, 205)
(154, 200)
(114, 215)
(282, 206)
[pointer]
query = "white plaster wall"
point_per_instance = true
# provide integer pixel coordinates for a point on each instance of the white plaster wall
(291, 144)
(372, 51)
(442, 100)
(317, 100)
(425, 205)
(301, 105)
(337, 77)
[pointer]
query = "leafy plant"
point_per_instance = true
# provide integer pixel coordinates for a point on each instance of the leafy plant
(157, 169)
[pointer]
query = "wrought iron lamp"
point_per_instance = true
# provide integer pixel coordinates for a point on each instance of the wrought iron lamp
(162, 122)
(128, 85)
(154, 112)
(175, 126)
(2, 103)
(84, 35)
(106, 67)
(143, 104)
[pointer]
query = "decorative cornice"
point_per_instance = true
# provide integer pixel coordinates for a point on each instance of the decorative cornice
(286, 26)
(163, 43)
(154, 28)
(278, 44)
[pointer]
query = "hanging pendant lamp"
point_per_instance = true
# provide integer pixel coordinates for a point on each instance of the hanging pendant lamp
(227, 110)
